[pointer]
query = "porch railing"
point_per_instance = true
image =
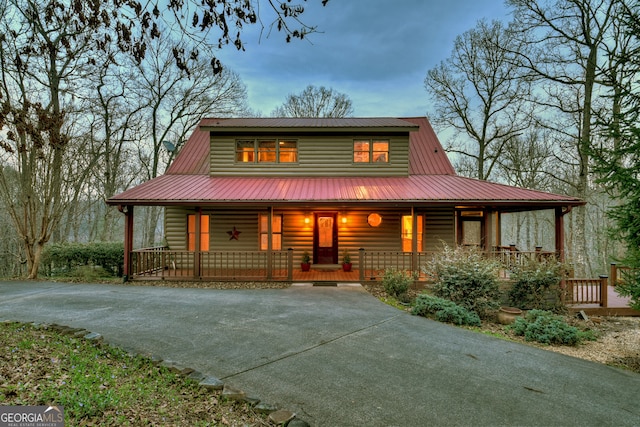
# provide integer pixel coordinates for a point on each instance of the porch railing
(247, 265)
(372, 264)
(161, 263)
(510, 256)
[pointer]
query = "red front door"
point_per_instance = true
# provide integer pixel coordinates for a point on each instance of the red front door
(325, 238)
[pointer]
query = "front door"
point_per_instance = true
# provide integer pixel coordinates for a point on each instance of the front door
(325, 238)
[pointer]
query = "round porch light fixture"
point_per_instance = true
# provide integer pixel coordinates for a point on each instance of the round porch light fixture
(374, 219)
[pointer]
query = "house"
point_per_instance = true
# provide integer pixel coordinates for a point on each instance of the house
(246, 198)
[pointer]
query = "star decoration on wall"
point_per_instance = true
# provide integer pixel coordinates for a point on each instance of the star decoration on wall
(234, 234)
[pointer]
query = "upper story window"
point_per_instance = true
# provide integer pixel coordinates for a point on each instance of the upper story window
(266, 151)
(370, 151)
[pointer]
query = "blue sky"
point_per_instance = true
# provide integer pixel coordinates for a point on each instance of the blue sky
(377, 52)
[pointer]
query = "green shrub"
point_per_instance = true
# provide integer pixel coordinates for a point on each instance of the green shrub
(66, 257)
(397, 282)
(444, 310)
(536, 285)
(466, 277)
(548, 328)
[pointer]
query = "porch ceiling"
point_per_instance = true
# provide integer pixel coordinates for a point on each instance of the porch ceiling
(417, 189)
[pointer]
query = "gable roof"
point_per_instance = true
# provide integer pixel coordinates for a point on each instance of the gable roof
(426, 153)
(431, 180)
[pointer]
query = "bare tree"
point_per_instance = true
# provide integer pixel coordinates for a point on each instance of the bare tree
(46, 54)
(42, 54)
(172, 102)
(478, 92)
(315, 102)
(565, 40)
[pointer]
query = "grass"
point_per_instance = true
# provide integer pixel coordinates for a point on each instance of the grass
(102, 385)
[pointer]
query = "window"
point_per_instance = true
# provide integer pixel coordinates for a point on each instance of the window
(371, 151)
(266, 151)
(287, 151)
(407, 232)
(471, 233)
(361, 151)
(245, 151)
(276, 232)
(204, 232)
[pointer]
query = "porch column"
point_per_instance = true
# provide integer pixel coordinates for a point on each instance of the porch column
(269, 244)
(487, 231)
(498, 229)
(560, 233)
(414, 240)
(459, 228)
(196, 254)
(128, 240)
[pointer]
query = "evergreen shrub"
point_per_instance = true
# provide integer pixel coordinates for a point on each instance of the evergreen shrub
(444, 310)
(548, 328)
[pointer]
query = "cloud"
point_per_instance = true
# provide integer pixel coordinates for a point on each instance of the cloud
(376, 51)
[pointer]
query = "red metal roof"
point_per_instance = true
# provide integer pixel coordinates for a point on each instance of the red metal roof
(193, 158)
(449, 189)
(426, 153)
(432, 178)
(311, 123)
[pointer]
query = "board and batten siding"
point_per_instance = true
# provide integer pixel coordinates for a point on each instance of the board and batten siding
(318, 155)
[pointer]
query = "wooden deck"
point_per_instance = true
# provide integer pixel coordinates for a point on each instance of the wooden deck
(616, 306)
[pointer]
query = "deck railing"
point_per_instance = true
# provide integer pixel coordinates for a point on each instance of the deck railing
(587, 291)
(620, 274)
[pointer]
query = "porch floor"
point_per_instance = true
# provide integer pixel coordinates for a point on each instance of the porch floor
(314, 275)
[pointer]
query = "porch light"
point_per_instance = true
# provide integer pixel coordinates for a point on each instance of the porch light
(374, 219)
(307, 220)
(344, 219)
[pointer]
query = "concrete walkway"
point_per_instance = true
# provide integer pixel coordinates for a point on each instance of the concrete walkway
(338, 356)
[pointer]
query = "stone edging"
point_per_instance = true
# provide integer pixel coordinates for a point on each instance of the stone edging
(277, 416)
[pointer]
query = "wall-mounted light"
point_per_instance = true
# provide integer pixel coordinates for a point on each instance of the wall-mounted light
(307, 219)
(374, 219)
(344, 219)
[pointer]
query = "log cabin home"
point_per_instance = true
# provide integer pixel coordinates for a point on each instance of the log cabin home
(248, 198)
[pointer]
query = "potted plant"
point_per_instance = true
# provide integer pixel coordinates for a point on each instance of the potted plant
(346, 261)
(305, 265)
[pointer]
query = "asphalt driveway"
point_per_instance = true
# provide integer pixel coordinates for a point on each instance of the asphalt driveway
(338, 356)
